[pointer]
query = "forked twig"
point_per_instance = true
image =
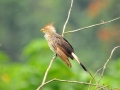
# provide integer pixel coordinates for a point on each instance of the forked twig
(60, 80)
(102, 23)
(46, 73)
(67, 18)
(94, 77)
(103, 69)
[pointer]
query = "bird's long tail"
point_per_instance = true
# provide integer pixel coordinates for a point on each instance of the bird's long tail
(76, 58)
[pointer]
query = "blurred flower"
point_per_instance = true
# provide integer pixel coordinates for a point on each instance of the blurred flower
(5, 77)
(96, 6)
(110, 34)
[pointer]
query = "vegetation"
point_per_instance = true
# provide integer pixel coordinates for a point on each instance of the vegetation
(25, 55)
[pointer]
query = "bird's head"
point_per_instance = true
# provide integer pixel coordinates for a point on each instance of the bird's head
(49, 28)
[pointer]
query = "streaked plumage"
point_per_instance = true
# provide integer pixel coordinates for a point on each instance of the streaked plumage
(60, 46)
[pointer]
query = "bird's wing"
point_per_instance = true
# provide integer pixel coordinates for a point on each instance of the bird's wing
(65, 45)
(63, 55)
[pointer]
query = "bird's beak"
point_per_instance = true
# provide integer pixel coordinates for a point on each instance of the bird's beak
(42, 30)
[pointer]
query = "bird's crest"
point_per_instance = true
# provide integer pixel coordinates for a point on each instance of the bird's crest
(49, 27)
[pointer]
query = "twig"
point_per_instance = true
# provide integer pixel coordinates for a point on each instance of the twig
(103, 69)
(102, 87)
(46, 73)
(85, 83)
(94, 77)
(67, 18)
(103, 22)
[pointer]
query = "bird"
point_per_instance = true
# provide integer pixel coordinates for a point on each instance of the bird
(61, 46)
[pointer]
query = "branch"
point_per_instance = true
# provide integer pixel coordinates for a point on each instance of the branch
(102, 23)
(94, 77)
(67, 18)
(85, 83)
(103, 69)
(46, 73)
(68, 81)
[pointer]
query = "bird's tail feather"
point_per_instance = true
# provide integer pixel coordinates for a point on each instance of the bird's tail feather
(76, 58)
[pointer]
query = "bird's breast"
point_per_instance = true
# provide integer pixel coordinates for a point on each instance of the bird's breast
(51, 42)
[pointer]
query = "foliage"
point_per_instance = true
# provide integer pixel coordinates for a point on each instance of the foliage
(27, 75)
(4, 58)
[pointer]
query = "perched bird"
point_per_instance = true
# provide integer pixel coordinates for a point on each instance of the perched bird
(60, 46)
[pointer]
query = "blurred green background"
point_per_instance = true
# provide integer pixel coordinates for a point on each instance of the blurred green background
(25, 55)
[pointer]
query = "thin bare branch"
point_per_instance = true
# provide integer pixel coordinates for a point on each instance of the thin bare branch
(44, 84)
(94, 77)
(102, 23)
(68, 81)
(46, 73)
(103, 69)
(85, 83)
(67, 18)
